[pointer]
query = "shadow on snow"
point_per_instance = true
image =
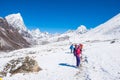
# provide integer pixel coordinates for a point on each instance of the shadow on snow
(67, 65)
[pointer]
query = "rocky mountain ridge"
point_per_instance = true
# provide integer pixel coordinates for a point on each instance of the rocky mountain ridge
(10, 39)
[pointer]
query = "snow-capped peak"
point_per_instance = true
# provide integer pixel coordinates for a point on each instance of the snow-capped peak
(16, 21)
(81, 29)
(36, 32)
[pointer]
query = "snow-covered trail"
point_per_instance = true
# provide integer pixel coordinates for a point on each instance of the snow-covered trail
(100, 62)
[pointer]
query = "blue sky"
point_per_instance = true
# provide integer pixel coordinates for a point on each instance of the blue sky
(60, 15)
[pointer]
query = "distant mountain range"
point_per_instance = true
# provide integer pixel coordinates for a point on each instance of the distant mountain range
(14, 34)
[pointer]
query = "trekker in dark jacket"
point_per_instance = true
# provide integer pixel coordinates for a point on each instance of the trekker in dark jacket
(71, 48)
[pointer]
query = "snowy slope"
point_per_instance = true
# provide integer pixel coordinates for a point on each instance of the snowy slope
(103, 60)
(100, 62)
(107, 30)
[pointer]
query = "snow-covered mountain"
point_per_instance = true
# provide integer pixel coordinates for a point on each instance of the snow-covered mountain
(10, 39)
(108, 30)
(16, 21)
(73, 36)
(32, 36)
(81, 29)
(38, 34)
(38, 37)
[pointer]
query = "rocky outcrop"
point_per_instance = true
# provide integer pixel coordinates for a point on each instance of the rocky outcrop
(20, 65)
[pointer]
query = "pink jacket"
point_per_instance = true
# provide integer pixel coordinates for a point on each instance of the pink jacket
(78, 52)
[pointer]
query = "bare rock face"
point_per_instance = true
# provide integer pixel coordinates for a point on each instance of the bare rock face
(10, 39)
(21, 65)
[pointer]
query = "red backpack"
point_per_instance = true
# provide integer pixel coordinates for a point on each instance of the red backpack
(81, 46)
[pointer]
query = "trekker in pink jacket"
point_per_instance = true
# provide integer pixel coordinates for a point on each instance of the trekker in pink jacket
(78, 55)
